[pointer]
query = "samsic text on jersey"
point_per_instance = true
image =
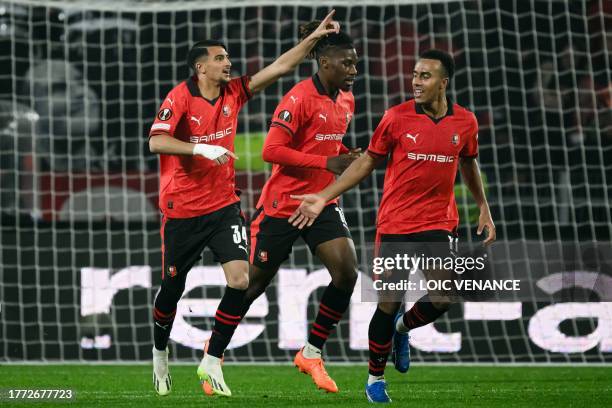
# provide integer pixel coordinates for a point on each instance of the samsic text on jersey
(315, 123)
(190, 186)
(418, 193)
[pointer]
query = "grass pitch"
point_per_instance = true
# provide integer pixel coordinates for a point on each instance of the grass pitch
(283, 386)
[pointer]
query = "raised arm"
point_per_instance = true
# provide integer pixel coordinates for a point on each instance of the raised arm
(289, 60)
(470, 172)
(313, 204)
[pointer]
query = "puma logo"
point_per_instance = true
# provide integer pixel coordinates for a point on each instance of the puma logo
(413, 137)
(170, 101)
(243, 247)
(293, 99)
(196, 119)
(323, 116)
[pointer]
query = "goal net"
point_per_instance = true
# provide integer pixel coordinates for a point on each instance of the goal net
(81, 82)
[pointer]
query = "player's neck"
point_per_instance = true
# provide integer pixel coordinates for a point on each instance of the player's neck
(209, 89)
(330, 89)
(437, 109)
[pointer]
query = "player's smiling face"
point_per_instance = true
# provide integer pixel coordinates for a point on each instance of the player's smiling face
(342, 68)
(216, 66)
(428, 81)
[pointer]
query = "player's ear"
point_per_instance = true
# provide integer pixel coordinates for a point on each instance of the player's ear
(444, 83)
(324, 61)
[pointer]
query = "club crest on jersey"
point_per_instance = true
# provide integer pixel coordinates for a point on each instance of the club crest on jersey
(164, 114)
(226, 110)
(285, 115)
(455, 139)
(172, 271)
(348, 117)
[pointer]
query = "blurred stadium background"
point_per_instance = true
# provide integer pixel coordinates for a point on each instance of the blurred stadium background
(80, 83)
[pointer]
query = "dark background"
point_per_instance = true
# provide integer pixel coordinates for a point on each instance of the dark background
(536, 74)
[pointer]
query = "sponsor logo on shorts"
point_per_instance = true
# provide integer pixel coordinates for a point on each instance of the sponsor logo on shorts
(263, 256)
(172, 271)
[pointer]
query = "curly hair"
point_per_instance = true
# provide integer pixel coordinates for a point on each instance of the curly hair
(326, 44)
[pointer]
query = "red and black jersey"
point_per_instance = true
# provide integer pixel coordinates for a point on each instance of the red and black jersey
(314, 124)
(418, 193)
(190, 186)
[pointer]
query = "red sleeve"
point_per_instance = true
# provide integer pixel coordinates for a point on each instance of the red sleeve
(382, 139)
(276, 150)
(470, 149)
(343, 149)
(289, 113)
(240, 87)
(170, 113)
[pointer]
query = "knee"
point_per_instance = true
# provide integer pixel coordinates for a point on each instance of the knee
(442, 304)
(346, 279)
(389, 308)
(255, 288)
(238, 281)
(170, 291)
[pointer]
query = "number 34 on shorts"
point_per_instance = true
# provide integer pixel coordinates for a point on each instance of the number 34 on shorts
(240, 237)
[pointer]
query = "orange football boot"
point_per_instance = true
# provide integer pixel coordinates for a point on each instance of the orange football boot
(314, 367)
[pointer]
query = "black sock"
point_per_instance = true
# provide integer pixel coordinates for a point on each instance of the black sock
(164, 308)
(421, 313)
(226, 320)
(163, 316)
(380, 335)
(333, 305)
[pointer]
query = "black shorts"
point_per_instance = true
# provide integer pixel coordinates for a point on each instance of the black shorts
(272, 238)
(439, 243)
(184, 239)
(436, 245)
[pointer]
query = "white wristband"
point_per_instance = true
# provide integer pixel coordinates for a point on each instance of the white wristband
(211, 152)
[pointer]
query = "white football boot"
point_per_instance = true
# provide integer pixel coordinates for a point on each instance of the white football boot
(161, 376)
(211, 376)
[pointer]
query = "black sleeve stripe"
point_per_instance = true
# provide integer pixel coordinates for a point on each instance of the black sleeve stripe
(278, 124)
(245, 87)
(376, 155)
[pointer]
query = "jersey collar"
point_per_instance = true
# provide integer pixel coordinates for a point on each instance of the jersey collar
(192, 85)
(321, 89)
(449, 112)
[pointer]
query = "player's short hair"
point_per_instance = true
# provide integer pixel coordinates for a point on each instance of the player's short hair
(329, 43)
(447, 61)
(200, 49)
